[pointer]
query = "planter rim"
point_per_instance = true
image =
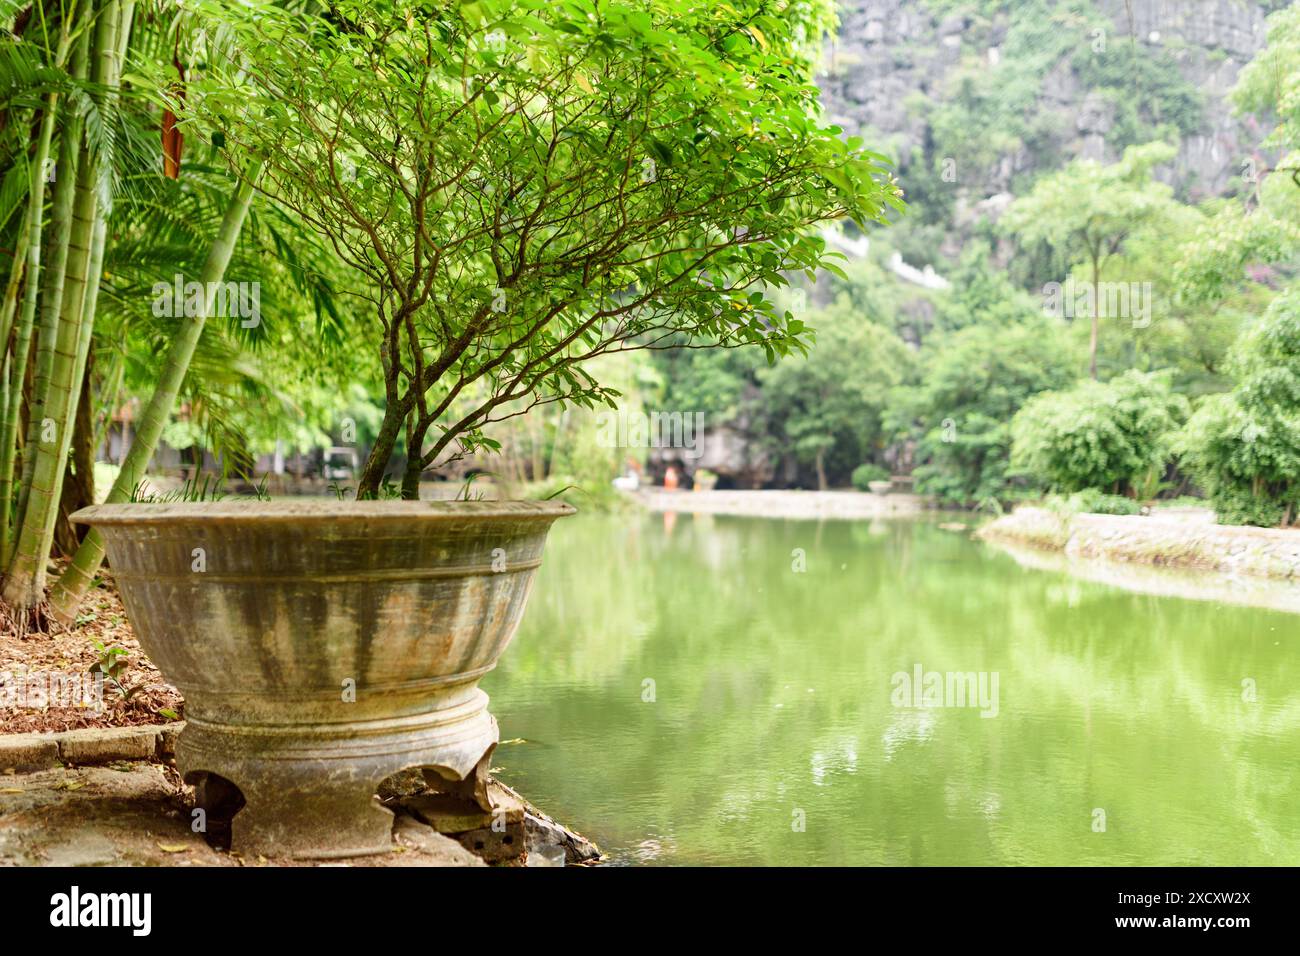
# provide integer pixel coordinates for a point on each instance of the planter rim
(315, 510)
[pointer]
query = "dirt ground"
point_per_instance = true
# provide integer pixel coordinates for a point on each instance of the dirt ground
(48, 684)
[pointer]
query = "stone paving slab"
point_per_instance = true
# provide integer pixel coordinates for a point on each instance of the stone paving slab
(131, 814)
(99, 797)
(28, 752)
(93, 745)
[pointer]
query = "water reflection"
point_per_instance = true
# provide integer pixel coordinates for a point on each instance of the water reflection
(772, 698)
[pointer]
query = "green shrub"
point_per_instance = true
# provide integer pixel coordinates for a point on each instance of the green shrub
(864, 475)
(1093, 502)
(1243, 447)
(976, 378)
(1108, 436)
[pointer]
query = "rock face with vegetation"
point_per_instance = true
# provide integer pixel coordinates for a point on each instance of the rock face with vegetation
(1007, 91)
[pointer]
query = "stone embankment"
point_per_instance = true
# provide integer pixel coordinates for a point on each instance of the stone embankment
(784, 504)
(1175, 539)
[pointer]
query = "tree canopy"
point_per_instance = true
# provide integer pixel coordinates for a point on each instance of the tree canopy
(523, 187)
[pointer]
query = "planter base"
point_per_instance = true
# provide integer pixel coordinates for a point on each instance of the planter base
(309, 792)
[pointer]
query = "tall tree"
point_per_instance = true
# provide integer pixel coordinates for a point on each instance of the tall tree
(1087, 211)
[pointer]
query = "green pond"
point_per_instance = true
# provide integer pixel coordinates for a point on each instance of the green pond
(681, 694)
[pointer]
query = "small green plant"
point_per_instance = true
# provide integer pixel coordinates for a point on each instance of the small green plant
(198, 488)
(259, 489)
(865, 474)
(559, 491)
(704, 479)
(467, 491)
(113, 664)
(340, 492)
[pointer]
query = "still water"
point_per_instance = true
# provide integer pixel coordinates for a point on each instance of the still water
(684, 696)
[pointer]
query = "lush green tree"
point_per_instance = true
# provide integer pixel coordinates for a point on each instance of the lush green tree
(971, 384)
(522, 187)
(1087, 211)
(826, 407)
(1171, 328)
(1270, 83)
(1266, 228)
(1243, 447)
(1114, 436)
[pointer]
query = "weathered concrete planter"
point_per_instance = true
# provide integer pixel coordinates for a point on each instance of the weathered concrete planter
(323, 646)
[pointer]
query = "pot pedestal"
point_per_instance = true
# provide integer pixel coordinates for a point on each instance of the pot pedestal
(309, 792)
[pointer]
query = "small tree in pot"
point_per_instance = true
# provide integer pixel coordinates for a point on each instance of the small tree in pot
(522, 187)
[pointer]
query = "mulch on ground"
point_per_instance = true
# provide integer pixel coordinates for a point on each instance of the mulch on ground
(48, 683)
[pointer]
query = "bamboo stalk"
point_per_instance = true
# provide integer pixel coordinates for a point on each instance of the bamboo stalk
(26, 320)
(51, 292)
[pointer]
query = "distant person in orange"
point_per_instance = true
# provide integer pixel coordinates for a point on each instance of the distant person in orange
(670, 479)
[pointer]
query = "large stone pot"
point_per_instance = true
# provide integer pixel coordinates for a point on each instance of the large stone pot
(323, 646)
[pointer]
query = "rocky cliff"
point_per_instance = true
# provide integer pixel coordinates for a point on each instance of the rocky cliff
(973, 97)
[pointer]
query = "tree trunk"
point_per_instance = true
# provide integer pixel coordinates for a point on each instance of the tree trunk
(69, 590)
(1096, 310)
(414, 464)
(411, 478)
(372, 472)
(821, 470)
(65, 189)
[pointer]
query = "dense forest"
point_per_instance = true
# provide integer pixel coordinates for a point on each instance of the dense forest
(1081, 297)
